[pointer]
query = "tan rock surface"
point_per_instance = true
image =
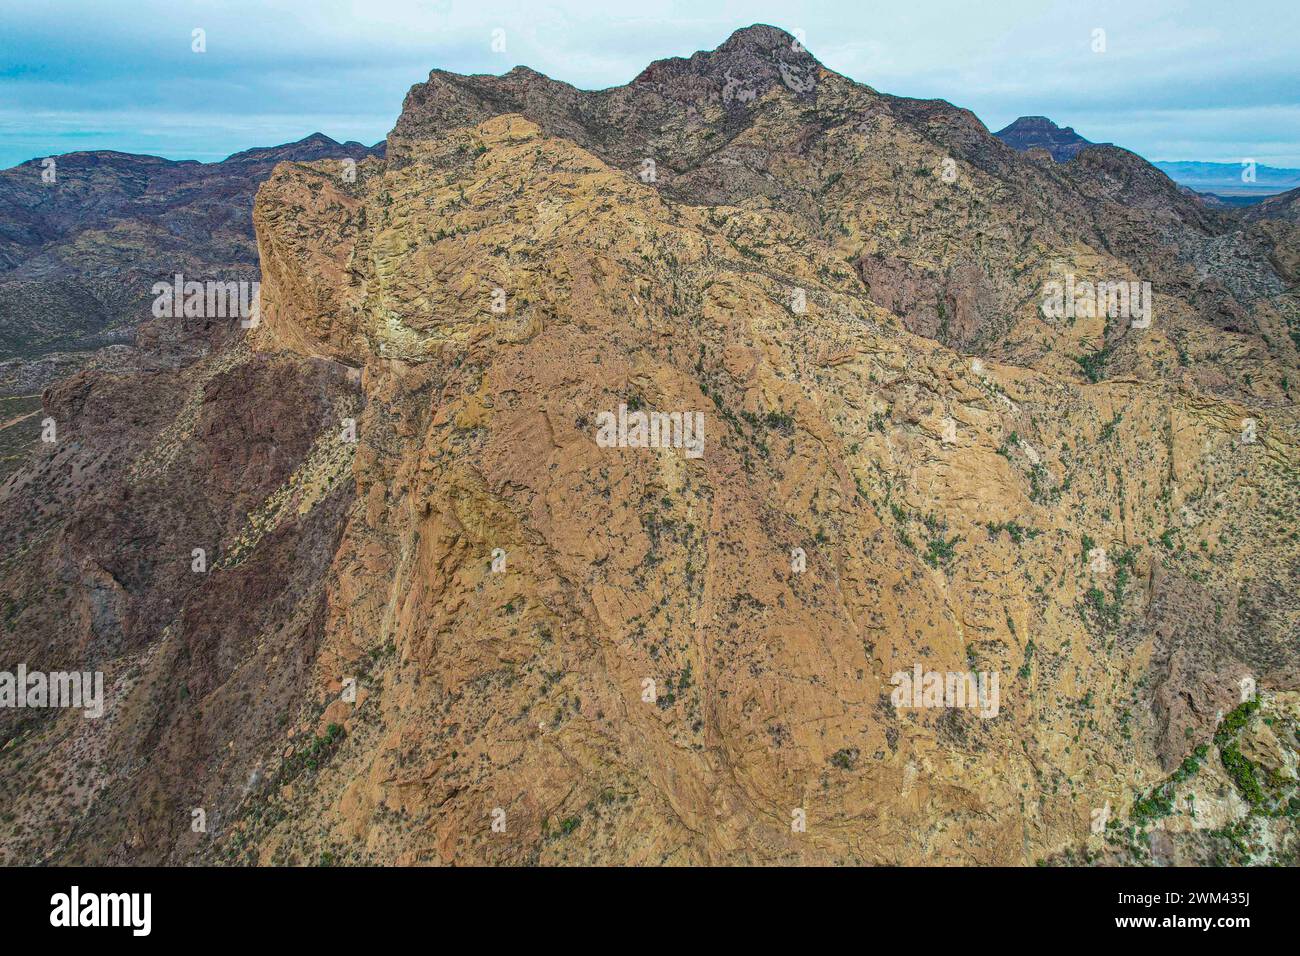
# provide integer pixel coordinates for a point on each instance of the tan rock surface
(644, 677)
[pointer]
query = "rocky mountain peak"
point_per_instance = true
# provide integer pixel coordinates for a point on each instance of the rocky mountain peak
(1030, 132)
(1036, 124)
(758, 55)
(758, 38)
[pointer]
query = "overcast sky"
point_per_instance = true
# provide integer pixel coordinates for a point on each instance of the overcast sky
(1195, 80)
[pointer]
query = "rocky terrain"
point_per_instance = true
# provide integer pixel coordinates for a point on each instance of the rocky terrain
(83, 241)
(1219, 185)
(437, 621)
(1039, 132)
(80, 254)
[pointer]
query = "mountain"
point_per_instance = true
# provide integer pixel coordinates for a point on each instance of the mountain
(1240, 181)
(1038, 132)
(1224, 183)
(79, 256)
(1283, 206)
(1276, 220)
(446, 608)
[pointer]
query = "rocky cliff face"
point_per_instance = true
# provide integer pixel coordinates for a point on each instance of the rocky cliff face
(83, 242)
(446, 622)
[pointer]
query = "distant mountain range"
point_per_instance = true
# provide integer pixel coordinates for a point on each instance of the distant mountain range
(79, 255)
(1223, 181)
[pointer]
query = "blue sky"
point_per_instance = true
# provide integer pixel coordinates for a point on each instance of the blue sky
(1194, 80)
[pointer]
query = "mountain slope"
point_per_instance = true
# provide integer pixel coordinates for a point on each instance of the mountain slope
(565, 652)
(759, 122)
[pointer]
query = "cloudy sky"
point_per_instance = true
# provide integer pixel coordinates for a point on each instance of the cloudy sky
(1178, 79)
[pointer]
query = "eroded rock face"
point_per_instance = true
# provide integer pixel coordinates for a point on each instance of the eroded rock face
(480, 634)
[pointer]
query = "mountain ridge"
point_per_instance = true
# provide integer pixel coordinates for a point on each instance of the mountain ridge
(63, 293)
(1219, 180)
(442, 623)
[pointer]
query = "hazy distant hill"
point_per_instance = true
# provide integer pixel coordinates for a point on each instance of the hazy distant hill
(1222, 180)
(1225, 179)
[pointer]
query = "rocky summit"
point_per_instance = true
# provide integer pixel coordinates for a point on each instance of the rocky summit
(738, 466)
(1038, 132)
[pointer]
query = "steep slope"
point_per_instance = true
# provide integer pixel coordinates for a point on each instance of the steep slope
(476, 633)
(622, 567)
(1283, 206)
(1275, 224)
